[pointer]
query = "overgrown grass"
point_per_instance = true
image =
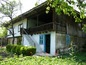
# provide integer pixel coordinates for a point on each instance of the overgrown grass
(36, 60)
(77, 59)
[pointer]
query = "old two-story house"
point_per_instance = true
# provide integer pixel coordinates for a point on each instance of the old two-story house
(49, 33)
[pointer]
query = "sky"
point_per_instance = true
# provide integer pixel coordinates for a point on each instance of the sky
(29, 4)
(26, 5)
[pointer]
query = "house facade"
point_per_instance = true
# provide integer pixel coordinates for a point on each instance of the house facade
(17, 34)
(50, 33)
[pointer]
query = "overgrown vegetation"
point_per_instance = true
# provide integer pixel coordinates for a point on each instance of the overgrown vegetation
(36, 60)
(3, 32)
(67, 7)
(8, 9)
(75, 59)
(84, 48)
(19, 49)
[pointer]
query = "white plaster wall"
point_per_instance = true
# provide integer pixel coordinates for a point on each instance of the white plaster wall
(40, 48)
(25, 41)
(16, 33)
(35, 38)
(52, 43)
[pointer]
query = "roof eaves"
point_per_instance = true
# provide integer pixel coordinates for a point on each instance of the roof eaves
(22, 16)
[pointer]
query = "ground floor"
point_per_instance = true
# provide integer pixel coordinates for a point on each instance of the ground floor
(17, 40)
(50, 42)
(44, 42)
(9, 59)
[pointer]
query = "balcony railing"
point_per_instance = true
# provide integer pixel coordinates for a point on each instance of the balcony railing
(45, 28)
(39, 29)
(60, 28)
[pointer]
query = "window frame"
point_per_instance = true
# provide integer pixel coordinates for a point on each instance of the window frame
(10, 31)
(20, 26)
(41, 39)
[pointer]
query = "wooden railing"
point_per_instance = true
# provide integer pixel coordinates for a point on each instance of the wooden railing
(52, 26)
(60, 28)
(39, 29)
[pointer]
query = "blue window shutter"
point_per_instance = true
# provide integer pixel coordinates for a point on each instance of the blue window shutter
(68, 39)
(41, 39)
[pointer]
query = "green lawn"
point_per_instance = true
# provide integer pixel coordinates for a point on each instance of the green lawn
(78, 59)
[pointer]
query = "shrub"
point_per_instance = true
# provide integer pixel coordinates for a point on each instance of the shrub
(28, 50)
(84, 48)
(19, 49)
(9, 47)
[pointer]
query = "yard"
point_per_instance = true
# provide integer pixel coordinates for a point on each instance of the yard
(7, 59)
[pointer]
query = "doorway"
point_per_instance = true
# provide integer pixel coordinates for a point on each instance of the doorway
(47, 43)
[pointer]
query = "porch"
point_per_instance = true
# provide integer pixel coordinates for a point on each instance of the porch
(39, 29)
(44, 28)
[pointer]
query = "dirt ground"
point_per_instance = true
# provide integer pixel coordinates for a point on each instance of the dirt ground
(3, 53)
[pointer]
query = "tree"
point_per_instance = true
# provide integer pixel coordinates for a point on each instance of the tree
(84, 28)
(8, 9)
(3, 33)
(66, 7)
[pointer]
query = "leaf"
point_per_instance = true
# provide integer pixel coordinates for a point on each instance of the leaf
(47, 11)
(58, 10)
(48, 8)
(82, 14)
(77, 19)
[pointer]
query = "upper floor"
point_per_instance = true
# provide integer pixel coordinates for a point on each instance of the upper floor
(17, 26)
(36, 21)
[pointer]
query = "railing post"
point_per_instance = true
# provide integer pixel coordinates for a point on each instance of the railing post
(21, 31)
(54, 26)
(54, 20)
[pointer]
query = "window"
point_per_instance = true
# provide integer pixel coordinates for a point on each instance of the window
(41, 39)
(68, 39)
(19, 27)
(10, 31)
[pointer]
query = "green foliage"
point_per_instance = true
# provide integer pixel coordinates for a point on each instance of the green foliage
(8, 47)
(19, 49)
(36, 60)
(72, 49)
(3, 31)
(84, 28)
(80, 59)
(66, 7)
(84, 47)
(8, 8)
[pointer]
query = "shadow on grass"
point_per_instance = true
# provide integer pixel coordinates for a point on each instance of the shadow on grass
(4, 54)
(79, 57)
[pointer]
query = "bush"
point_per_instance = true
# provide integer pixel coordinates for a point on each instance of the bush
(8, 47)
(84, 48)
(19, 49)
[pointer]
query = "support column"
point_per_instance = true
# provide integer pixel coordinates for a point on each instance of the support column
(37, 19)
(54, 20)
(53, 43)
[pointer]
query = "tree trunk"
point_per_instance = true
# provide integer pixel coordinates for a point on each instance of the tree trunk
(12, 31)
(1, 42)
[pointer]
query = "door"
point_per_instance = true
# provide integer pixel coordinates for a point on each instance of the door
(47, 43)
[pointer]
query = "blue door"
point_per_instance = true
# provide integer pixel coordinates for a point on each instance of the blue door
(45, 41)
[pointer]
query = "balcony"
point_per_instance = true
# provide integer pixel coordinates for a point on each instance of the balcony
(52, 26)
(39, 29)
